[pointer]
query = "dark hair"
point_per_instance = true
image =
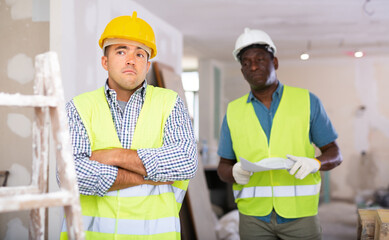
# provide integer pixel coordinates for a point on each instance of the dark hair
(261, 46)
(106, 50)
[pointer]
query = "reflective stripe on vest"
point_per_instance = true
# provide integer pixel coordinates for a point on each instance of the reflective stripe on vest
(275, 189)
(142, 210)
(278, 191)
(148, 190)
(107, 225)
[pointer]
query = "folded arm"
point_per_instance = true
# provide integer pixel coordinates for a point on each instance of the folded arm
(127, 179)
(124, 158)
(131, 171)
(94, 177)
(177, 158)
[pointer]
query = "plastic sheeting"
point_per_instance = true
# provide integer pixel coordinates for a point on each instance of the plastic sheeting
(228, 226)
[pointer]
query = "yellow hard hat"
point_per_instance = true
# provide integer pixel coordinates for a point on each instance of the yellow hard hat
(130, 28)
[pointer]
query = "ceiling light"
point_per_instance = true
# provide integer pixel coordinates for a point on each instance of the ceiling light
(358, 54)
(304, 56)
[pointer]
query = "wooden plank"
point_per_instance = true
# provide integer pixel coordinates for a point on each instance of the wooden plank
(173, 81)
(65, 162)
(199, 212)
(19, 190)
(49, 110)
(200, 203)
(382, 225)
(366, 224)
(41, 129)
(38, 224)
(33, 201)
(18, 100)
(157, 68)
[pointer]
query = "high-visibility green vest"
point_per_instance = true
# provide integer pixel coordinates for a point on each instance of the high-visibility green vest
(290, 197)
(140, 212)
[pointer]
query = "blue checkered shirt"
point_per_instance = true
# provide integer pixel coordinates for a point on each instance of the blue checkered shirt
(175, 160)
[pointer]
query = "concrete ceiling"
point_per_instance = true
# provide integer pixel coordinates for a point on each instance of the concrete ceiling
(326, 28)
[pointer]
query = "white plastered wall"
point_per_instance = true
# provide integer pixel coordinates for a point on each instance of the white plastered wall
(24, 31)
(353, 94)
(208, 111)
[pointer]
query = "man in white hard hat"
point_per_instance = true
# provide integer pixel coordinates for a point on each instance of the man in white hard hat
(273, 122)
(130, 142)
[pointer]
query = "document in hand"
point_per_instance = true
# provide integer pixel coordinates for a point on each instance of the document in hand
(266, 164)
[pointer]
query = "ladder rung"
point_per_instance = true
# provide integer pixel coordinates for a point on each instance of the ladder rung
(9, 191)
(20, 100)
(34, 201)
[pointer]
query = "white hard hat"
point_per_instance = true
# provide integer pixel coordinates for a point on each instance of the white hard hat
(249, 37)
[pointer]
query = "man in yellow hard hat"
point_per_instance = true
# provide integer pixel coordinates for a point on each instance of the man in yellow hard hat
(275, 127)
(133, 143)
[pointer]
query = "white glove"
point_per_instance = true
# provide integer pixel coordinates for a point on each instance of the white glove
(304, 166)
(241, 176)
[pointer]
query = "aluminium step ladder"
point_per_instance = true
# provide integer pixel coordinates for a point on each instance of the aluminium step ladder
(49, 115)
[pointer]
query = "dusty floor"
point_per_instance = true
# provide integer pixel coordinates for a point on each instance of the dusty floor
(338, 220)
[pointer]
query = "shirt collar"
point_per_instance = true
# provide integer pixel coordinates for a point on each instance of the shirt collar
(277, 93)
(110, 93)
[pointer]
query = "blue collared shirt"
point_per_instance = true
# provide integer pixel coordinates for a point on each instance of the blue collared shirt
(321, 130)
(175, 160)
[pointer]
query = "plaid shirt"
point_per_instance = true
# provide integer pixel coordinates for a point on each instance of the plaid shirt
(175, 160)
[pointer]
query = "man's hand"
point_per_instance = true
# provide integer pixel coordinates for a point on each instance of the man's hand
(149, 182)
(304, 166)
(107, 156)
(241, 176)
(124, 158)
(126, 179)
(135, 181)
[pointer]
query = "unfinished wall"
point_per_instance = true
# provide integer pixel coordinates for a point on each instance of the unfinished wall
(354, 94)
(211, 112)
(23, 35)
(352, 91)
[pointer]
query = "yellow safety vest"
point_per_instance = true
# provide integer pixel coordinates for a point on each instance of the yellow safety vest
(140, 212)
(290, 197)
